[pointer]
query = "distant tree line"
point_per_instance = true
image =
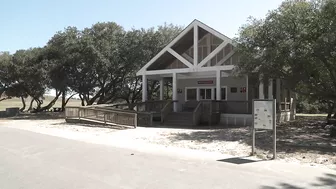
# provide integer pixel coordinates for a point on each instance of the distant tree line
(98, 64)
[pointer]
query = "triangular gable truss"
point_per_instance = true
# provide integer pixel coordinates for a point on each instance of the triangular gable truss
(193, 66)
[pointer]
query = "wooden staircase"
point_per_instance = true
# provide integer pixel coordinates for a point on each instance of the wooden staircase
(179, 119)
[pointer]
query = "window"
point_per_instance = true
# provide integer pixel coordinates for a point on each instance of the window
(233, 89)
(205, 94)
(191, 94)
(223, 93)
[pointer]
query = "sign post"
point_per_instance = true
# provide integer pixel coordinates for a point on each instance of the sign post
(264, 118)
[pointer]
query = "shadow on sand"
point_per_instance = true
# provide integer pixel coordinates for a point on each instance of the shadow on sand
(326, 181)
(239, 160)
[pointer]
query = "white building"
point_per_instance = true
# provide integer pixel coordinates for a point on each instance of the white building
(200, 62)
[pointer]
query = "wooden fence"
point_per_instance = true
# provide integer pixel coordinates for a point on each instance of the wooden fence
(235, 107)
(148, 106)
(110, 116)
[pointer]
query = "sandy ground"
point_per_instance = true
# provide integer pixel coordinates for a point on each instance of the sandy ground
(228, 141)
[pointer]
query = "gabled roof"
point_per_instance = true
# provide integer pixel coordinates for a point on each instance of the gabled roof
(194, 24)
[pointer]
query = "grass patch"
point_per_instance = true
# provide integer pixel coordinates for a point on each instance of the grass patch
(16, 102)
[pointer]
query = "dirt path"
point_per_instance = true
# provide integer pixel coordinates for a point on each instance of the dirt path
(301, 144)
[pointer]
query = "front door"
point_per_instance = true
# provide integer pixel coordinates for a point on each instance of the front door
(205, 93)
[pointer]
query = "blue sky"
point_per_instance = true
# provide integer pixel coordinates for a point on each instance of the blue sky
(31, 23)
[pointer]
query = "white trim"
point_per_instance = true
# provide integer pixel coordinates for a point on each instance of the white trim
(214, 68)
(186, 56)
(167, 71)
(208, 48)
(177, 38)
(192, 25)
(214, 32)
(195, 45)
(225, 58)
(180, 58)
(189, 58)
(226, 92)
(189, 70)
(213, 53)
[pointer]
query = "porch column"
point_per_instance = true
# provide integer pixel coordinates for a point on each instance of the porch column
(161, 88)
(261, 89)
(195, 45)
(292, 105)
(198, 94)
(247, 94)
(175, 91)
(209, 48)
(218, 85)
(270, 89)
(278, 94)
(144, 88)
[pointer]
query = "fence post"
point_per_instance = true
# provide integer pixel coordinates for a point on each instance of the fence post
(210, 117)
(151, 119)
(136, 120)
(78, 112)
(65, 113)
(105, 118)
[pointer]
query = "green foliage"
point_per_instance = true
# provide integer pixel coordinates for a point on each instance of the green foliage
(307, 106)
(24, 74)
(139, 47)
(297, 43)
(98, 63)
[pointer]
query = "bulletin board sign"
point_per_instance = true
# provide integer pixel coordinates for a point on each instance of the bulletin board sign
(264, 118)
(263, 114)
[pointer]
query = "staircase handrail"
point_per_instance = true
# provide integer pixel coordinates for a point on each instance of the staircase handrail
(197, 113)
(166, 110)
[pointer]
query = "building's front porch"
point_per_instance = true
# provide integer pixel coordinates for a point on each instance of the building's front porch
(211, 94)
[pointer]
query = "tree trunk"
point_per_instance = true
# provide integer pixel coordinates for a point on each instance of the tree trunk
(4, 98)
(63, 101)
(82, 99)
(39, 103)
(31, 105)
(51, 104)
(331, 107)
(23, 104)
(67, 100)
(93, 99)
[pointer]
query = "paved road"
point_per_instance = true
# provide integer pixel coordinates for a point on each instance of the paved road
(34, 161)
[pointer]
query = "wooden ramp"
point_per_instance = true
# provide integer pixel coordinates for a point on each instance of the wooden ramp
(108, 116)
(92, 123)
